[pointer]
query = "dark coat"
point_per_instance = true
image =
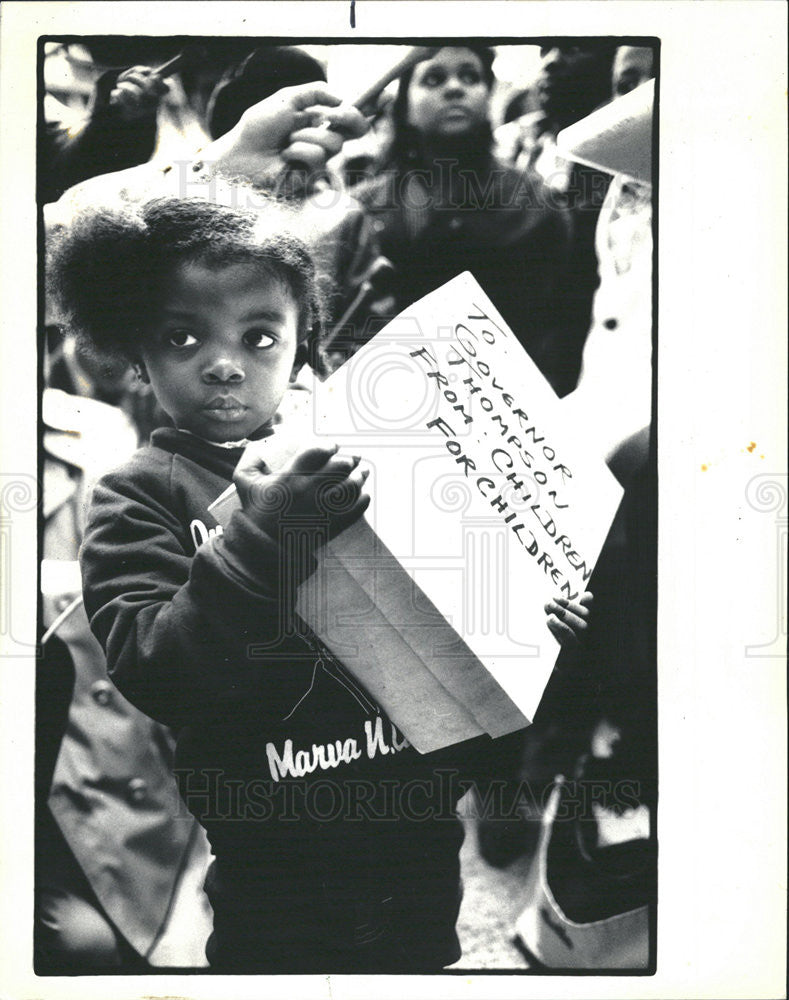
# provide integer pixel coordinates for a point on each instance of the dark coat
(498, 223)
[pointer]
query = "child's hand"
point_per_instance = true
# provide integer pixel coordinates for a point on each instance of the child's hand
(568, 620)
(317, 487)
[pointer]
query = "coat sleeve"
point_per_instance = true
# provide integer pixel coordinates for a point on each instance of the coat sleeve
(187, 637)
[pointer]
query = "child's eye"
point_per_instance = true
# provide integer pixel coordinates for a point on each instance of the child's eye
(181, 338)
(258, 338)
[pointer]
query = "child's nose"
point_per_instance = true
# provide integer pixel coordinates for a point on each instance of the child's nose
(223, 369)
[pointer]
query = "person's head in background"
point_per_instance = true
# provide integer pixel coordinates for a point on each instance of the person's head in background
(264, 72)
(442, 105)
(633, 65)
(573, 80)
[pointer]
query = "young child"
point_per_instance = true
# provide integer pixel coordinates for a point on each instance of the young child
(336, 843)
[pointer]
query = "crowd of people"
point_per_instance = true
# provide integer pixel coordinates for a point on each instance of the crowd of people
(218, 221)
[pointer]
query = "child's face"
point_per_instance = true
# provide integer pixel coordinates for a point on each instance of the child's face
(220, 350)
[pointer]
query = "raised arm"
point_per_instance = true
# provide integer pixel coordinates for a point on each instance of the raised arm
(306, 124)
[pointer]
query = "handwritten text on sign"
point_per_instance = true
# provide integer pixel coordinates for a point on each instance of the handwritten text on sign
(515, 455)
(479, 487)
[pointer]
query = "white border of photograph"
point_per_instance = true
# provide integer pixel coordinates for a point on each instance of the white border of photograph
(722, 477)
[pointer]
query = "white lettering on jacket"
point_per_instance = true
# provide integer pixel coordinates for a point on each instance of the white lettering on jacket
(295, 764)
(201, 534)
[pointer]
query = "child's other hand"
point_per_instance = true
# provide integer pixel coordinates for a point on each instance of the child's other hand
(317, 487)
(568, 620)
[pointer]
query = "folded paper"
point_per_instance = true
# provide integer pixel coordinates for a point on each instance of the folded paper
(616, 138)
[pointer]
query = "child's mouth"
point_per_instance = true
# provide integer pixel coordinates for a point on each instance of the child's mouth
(225, 408)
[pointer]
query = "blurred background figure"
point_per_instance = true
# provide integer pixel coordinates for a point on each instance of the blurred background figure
(442, 204)
(633, 65)
(114, 102)
(115, 129)
(74, 371)
(572, 80)
(613, 396)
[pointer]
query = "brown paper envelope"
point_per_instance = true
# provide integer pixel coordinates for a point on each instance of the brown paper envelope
(379, 657)
(423, 627)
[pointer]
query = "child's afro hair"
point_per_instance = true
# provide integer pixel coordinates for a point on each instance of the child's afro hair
(109, 268)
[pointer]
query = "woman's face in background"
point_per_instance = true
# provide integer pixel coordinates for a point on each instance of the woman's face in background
(448, 95)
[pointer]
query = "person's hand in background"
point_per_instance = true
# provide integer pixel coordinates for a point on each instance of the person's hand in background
(305, 125)
(134, 95)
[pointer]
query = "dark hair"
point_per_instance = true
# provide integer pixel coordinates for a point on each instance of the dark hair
(110, 267)
(263, 72)
(406, 140)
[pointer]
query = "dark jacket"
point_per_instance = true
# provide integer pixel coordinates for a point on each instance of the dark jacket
(296, 774)
(490, 219)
